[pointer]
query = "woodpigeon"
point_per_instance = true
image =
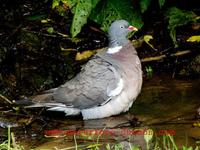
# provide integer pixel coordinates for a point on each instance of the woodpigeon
(107, 85)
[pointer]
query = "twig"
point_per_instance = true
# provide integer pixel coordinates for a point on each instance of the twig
(5, 99)
(75, 142)
(156, 58)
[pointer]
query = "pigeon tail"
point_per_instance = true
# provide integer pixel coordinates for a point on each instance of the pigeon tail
(46, 96)
(68, 110)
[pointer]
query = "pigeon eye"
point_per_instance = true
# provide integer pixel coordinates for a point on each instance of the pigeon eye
(121, 27)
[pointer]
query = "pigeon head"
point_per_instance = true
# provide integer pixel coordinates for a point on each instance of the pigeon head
(118, 32)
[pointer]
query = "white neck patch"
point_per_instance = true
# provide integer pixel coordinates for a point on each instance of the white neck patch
(114, 49)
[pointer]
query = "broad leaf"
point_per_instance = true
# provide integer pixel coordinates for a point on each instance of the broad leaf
(144, 4)
(82, 11)
(108, 11)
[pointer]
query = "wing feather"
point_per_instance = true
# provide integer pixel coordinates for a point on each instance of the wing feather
(93, 86)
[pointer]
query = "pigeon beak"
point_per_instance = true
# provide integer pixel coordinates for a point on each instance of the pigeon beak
(133, 28)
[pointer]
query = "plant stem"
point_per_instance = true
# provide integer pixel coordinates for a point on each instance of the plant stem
(8, 137)
(75, 142)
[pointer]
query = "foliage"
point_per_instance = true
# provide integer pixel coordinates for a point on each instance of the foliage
(36, 17)
(7, 144)
(148, 135)
(82, 12)
(116, 9)
(177, 18)
(104, 12)
(161, 3)
(194, 38)
(149, 71)
(68, 3)
(147, 38)
(144, 4)
(50, 30)
(55, 3)
(168, 142)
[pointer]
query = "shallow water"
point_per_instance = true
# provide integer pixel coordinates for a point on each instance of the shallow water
(164, 105)
(169, 104)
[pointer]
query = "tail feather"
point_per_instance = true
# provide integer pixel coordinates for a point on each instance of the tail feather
(45, 100)
(67, 110)
(47, 105)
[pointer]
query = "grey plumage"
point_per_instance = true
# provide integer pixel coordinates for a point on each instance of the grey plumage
(107, 85)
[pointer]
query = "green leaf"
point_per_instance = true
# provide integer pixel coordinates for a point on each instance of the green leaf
(178, 18)
(195, 38)
(50, 30)
(36, 17)
(144, 4)
(108, 11)
(55, 3)
(108, 146)
(147, 38)
(161, 3)
(189, 148)
(149, 71)
(82, 11)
